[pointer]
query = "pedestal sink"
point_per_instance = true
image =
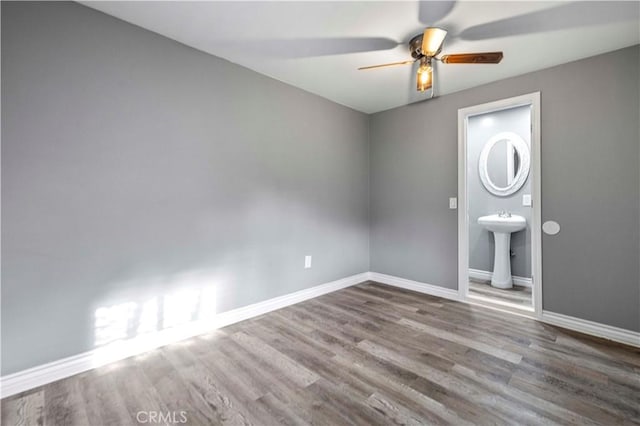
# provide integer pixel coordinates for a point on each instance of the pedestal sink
(502, 225)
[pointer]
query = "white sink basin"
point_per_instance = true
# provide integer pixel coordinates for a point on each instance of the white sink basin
(496, 223)
(502, 227)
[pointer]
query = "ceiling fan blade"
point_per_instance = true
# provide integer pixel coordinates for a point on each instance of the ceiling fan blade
(430, 12)
(432, 39)
(578, 14)
(296, 48)
(473, 58)
(392, 64)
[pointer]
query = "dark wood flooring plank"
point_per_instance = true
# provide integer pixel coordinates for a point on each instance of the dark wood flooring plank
(284, 414)
(102, 401)
(297, 373)
(27, 410)
(64, 404)
(471, 343)
(468, 394)
(137, 393)
(188, 390)
(550, 409)
(397, 389)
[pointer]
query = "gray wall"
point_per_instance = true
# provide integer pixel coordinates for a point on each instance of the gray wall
(590, 185)
(133, 166)
(482, 202)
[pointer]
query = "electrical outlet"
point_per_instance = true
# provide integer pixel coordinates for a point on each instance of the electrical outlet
(526, 200)
(307, 262)
(453, 203)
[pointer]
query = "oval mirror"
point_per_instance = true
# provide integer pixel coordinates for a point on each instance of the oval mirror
(504, 164)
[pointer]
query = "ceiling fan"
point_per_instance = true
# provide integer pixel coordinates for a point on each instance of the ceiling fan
(426, 46)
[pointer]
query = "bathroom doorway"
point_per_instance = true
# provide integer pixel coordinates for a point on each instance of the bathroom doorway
(499, 251)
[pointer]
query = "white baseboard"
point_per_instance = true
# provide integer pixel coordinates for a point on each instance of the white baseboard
(430, 289)
(479, 274)
(597, 329)
(66, 367)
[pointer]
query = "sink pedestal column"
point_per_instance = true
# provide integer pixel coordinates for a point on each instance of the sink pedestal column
(502, 261)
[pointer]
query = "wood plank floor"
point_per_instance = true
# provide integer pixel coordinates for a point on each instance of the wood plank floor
(518, 295)
(367, 355)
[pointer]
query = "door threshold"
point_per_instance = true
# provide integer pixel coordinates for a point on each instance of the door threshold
(513, 308)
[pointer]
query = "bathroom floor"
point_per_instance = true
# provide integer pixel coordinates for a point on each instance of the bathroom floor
(517, 295)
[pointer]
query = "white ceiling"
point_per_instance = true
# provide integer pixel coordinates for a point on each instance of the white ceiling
(317, 46)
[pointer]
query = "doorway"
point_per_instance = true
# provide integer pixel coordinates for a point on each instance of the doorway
(499, 230)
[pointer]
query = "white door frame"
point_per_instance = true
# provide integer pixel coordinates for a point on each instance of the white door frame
(532, 99)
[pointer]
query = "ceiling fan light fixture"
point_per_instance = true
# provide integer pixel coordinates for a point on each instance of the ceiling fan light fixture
(425, 46)
(424, 76)
(432, 39)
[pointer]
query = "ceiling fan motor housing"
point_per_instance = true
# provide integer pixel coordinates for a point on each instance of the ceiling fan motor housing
(415, 47)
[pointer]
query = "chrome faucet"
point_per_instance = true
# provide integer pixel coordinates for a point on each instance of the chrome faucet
(504, 213)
